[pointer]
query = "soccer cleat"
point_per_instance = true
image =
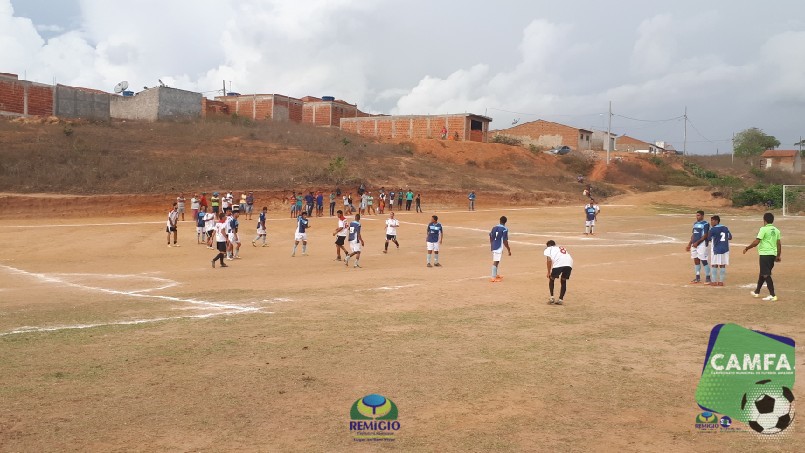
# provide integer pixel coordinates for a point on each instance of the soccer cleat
(224, 265)
(430, 265)
(770, 298)
(500, 277)
(695, 280)
(265, 245)
(338, 258)
(385, 251)
(754, 294)
(551, 301)
(213, 264)
(438, 265)
(720, 283)
(711, 284)
(356, 265)
(169, 245)
(559, 302)
(293, 254)
(708, 281)
(176, 245)
(254, 244)
(346, 261)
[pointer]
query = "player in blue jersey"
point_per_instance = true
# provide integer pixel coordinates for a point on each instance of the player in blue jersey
(302, 225)
(699, 253)
(591, 211)
(200, 223)
(261, 228)
(434, 240)
(355, 241)
(719, 237)
(498, 238)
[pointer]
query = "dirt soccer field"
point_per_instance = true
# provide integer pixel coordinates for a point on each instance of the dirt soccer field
(111, 341)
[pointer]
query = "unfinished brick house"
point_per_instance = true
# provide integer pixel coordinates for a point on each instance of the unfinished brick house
(260, 107)
(24, 98)
(468, 126)
(789, 160)
(547, 134)
(328, 111)
(629, 144)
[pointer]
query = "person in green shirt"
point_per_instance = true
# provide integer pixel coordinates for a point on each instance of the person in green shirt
(769, 250)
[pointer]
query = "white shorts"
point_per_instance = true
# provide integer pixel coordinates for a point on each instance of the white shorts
(701, 252)
(199, 230)
(300, 236)
(589, 223)
(433, 246)
(233, 238)
(497, 254)
(720, 259)
(355, 246)
(261, 231)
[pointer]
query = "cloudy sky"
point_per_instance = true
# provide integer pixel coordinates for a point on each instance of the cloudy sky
(732, 66)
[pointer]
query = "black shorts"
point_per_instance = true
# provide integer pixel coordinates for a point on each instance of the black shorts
(563, 271)
(391, 237)
(170, 229)
(766, 264)
(339, 240)
(222, 247)
(209, 233)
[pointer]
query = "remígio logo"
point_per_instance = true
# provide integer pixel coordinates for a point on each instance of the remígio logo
(373, 418)
(707, 421)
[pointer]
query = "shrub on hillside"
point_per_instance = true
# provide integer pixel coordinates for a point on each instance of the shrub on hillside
(507, 140)
(578, 165)
(759, 195)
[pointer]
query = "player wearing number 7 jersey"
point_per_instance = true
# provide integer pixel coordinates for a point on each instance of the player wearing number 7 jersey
(560, 264)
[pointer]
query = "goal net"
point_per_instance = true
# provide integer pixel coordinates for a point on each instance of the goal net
(793, 200)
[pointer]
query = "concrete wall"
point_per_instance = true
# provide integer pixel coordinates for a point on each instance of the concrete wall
(548, 134)
(157, 104)
(71, 102)
(415, 126)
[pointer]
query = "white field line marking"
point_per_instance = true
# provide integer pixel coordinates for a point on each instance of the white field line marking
(117, 323)
(754, 285)
(388, 288)
(49, 279)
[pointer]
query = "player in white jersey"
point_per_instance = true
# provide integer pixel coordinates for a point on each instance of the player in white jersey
(220, 239)
(209, 227)
(391, 232)
(560, 264)
(173, 218)
(340, 234)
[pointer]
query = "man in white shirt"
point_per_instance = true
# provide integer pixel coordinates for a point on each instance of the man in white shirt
(173, 218)
(391, 232)
(560, 264)
(340, 234)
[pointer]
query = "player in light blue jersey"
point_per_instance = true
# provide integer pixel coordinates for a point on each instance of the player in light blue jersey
(591, 211)
(302, 225)
(719, 237)
(498, 238)
(261, 228)
(700, 252)
(434, 240)
(355, 241)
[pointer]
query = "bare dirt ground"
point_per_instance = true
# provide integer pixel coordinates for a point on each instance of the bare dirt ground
(111, 341)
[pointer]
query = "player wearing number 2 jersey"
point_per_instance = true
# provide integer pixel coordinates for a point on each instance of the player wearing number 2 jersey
(720, 237)
(498, 238)
(560, 264)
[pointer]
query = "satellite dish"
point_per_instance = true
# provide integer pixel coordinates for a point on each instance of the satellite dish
(515, 121)
(161, 83)
(121, 87)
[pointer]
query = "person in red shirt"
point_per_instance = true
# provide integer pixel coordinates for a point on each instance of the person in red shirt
(203, 202)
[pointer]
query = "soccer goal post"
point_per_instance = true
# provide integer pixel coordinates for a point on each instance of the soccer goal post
(793, 200)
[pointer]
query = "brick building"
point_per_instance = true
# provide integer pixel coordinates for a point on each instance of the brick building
(548, 134)
(782, 159)
(259, 107)
(629, 144)
(328, 111)
(468, 126)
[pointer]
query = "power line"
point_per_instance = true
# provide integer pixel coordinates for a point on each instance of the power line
(547, 115)
(649, 121)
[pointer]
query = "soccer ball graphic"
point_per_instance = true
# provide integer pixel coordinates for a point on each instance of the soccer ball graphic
(769, 408)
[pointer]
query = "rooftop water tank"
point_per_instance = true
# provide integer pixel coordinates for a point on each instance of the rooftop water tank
(233, 94)
(328, 98)
(128, 93)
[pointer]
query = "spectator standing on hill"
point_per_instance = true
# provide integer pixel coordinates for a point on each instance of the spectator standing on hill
(471, 197)
(444, 132)
(299, 201)
(363, 203)
(409, 198)
(370, 204)
(419, 202)
(242, 207)
(332, 203)
(346, 203)
(770, 251)
(180, 200)
(400, 195)
(173, 219)
(203, 202)
(209, 227)
(391, 200)
(226, 203)
(310, 200)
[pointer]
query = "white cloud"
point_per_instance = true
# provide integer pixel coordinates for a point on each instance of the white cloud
(783, 66)
(655, 49)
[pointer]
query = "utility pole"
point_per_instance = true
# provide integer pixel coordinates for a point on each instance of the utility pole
(223, 92)
(685, 140)
(609, 132)
(733, 149)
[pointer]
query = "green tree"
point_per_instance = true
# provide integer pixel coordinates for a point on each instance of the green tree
(753, 141)
(801, 145)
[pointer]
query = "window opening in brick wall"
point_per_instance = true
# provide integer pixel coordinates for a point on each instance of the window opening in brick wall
(476, 125)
